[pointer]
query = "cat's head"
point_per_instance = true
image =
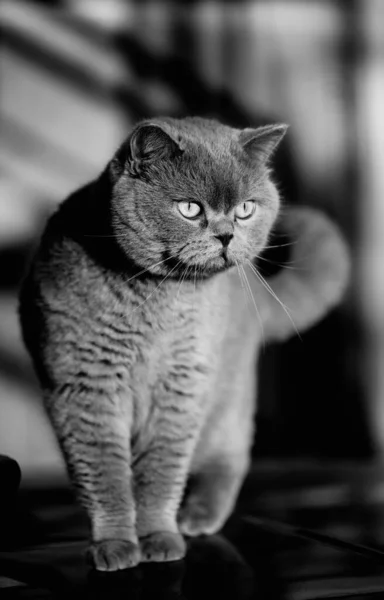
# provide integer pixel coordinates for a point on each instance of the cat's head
(193, 196)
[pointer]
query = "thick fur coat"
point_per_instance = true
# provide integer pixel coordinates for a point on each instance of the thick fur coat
(144, 313)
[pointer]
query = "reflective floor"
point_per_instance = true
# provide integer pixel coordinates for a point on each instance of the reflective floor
(301, 531)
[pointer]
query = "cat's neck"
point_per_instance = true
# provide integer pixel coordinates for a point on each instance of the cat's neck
(169, 283)
(180, 290)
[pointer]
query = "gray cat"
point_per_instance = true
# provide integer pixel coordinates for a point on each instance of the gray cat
(144, 314)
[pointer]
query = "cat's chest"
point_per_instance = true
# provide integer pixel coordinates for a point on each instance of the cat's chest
(170, 329)
(174, 370)
(179, 338)
(178, 334)
(182, 335)
(170, 317)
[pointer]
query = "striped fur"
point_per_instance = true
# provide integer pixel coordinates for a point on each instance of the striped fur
(144, 340)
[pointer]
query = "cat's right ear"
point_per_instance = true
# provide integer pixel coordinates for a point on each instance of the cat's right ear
(148, 144)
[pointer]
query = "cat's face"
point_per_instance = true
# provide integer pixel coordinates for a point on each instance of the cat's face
(194, 197)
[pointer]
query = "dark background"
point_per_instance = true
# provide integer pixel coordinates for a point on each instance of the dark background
(76, 75)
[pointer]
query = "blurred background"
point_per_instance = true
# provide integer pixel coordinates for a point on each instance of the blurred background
(76, 74)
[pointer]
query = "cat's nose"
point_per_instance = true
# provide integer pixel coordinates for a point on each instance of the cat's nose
(222, 229)
(224, 238)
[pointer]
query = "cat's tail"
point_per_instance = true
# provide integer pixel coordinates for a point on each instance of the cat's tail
(316, 278)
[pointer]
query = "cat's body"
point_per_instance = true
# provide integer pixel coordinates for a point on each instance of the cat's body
(145, 340)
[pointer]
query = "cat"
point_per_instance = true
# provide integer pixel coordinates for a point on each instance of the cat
(144, 312)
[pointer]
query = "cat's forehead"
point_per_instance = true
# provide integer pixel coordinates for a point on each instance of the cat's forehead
(215, 174)
(199, 132)
(216, 184)
(212, 168)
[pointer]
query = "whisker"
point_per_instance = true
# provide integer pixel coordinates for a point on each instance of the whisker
(175, 304)
(282, 265)
(281, 245)
(156, 288)
(150, 267)
(181, 281)
(241, 280)
(117, 236)
(105, 235)
(273, 294)
(182, 278)
(254, 303)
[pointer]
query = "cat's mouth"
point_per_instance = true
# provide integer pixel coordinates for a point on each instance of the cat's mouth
(190, 269)
(220, 263)
(224, 255)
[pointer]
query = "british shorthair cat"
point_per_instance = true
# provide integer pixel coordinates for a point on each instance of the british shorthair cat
(144, 313)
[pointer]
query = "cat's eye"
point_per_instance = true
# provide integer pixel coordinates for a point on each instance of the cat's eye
(245, 210)
(189, 210)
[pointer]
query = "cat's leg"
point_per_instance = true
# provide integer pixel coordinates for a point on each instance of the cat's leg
(160, 477)
(219, 467)
(222, 455)
(94, 435)
(212, 494)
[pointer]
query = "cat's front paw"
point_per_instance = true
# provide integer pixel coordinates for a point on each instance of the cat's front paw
(112, 555)
(162, 546)
(199, 518)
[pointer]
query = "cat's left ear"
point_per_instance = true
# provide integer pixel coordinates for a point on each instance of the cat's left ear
(261, 143)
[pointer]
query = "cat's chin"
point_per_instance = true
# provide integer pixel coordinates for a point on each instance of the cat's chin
(193, 271)
(218, 264)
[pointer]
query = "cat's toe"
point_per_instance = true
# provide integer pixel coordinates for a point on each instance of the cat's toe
(112, 555)
(198, 518)
(162, 546)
